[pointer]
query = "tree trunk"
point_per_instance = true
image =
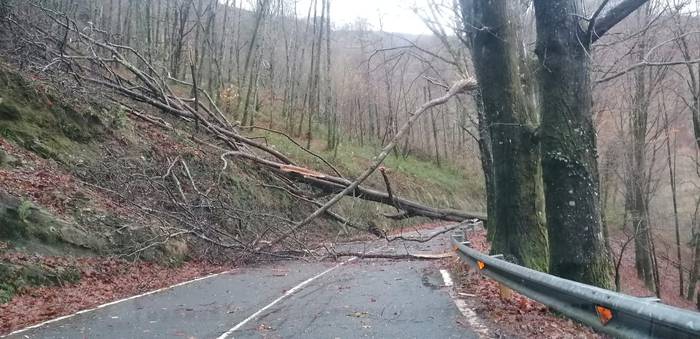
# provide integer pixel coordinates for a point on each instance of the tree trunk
(637, 192)
(695, 270)
(517, 224)
(427, 97)
(486, 162)
(249, 76)
(695, 244)
(569, 153)
(672, 179)
(331, 110)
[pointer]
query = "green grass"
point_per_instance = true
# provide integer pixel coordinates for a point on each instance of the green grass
(449, 185)
(42, 120)
(16, 277)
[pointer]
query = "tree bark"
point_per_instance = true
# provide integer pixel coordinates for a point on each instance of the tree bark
(637, 180)
(569, 152)
(517, 224)
(486, 162)
(249, 74)
(431, 113)
(695, 269)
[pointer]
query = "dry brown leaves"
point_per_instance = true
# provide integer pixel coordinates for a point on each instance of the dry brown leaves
(164, 144)
(668, 272)
(102, 280)
(44, 183)
(513, 315)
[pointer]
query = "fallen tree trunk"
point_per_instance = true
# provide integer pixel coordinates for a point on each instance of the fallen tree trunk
(417, 256)
(334, 185)
(96, 60)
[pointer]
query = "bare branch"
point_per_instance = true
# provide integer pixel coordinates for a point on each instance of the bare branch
(613, 17)
(459, 87)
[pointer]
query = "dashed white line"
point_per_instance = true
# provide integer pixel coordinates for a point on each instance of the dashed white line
(113, 303)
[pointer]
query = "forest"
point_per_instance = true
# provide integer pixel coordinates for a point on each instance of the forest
(571, 128)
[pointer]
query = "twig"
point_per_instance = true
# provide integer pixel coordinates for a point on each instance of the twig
(459, 87)
(298, 145)
(389, 191)
(392, 256)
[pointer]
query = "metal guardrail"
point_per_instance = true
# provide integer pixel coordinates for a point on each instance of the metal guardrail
(614, 313)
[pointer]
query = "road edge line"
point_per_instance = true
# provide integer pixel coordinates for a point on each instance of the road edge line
(472, 318)
(41, 324)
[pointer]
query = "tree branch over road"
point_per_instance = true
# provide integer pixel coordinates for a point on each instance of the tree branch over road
(459, 87)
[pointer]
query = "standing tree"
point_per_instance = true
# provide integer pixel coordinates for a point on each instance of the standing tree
(639, 126)
(685, 36)
(517, 225)
(566, 135)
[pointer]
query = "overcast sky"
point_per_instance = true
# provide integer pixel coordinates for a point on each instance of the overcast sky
(394, 15)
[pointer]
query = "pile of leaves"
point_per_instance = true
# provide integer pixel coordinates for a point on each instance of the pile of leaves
(507, 312)
(101, 280)
(35, 178)
(46, 184)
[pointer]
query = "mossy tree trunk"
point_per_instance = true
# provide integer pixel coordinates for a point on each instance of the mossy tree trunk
(566, 136)
(517, 222)
(568, 140)
(486, 161)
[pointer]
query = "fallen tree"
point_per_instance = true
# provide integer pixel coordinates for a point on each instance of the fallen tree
(415, 256)
(60, 44)
(335, 185)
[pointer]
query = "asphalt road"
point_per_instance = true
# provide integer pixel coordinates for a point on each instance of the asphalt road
(358, 298)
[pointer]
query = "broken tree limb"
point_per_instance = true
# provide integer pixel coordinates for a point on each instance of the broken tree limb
(130, 75)
(315, 155)
(417, 256)
(389, 191)
(424, 239)
(336, 185)
(459, 87)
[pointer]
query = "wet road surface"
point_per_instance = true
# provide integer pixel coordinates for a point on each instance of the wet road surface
(350, 298)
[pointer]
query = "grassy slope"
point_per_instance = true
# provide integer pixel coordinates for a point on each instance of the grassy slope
(411, 177)
(49, 141)
(70, 132)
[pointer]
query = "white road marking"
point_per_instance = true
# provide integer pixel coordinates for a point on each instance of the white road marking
(472, 318)
(285, 295)
(113, 303)
(290, 292)
(446, 277)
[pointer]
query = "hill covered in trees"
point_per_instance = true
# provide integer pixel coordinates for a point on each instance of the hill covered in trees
(581, 146)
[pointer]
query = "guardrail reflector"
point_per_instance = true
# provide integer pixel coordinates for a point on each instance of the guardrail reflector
(480, 264)
(604, 314)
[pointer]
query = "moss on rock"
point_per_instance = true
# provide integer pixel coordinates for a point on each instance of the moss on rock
(22, 220)
(41, 120)
(16, 277)
(9, 111)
